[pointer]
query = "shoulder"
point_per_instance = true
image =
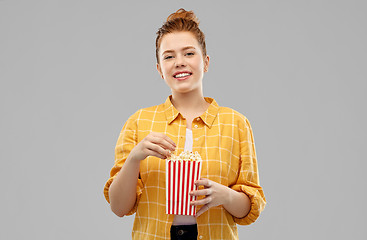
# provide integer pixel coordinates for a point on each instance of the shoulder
(230, 112)
(147, 113)
(150, 112)
(228, 115)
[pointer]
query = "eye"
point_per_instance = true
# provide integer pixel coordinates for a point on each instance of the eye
(167, 57)
(190, 53)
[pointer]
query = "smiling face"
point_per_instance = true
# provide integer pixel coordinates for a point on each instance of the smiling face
(181, 62)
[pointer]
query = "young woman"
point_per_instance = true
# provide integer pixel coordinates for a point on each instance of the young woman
(229, 190)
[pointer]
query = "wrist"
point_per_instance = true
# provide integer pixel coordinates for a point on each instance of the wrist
(131, 160)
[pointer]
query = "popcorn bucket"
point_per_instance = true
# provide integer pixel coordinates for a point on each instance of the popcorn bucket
(181, 174)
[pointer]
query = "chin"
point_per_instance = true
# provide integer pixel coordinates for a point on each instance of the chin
(183, 91)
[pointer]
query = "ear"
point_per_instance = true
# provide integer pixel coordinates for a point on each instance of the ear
(206, 63)
(159, 70)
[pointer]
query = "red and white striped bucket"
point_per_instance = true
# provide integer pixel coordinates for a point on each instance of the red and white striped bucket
(180, 178)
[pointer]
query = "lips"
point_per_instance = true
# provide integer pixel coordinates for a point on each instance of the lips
(182, 75)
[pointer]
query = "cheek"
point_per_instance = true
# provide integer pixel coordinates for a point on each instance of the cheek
(200, 64)
(165, 69)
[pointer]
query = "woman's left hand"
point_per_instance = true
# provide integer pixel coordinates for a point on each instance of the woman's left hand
(216, 194)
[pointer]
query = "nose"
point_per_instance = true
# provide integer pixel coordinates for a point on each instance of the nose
(180, 61)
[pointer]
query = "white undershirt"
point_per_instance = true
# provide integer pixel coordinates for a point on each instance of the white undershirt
(184, 219)
(189, 140)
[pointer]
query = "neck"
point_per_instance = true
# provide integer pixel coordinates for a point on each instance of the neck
(189, 102)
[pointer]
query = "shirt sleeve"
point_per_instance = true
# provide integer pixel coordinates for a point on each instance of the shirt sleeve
(126, 141)
(248, 178)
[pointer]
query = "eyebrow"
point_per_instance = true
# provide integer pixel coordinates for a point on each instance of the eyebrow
(183, 49)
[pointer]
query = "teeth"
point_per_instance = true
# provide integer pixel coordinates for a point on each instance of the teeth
(182, 75)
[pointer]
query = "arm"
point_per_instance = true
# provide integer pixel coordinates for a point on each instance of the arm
(248, 178)
(124, 187)
(123, 196)
(238, 204)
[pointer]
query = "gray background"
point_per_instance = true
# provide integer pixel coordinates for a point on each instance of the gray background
(72, 72)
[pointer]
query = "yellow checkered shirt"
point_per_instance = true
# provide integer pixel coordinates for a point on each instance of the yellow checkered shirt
(223, 138)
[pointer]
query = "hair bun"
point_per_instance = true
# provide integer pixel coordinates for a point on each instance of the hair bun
(182, 13)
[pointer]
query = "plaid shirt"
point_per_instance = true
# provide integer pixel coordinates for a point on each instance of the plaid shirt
(223, 138)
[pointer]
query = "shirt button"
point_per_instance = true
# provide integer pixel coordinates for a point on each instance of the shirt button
(201, 237)
(196, 139)
(198, 119)
(196, 126)
(180, 232)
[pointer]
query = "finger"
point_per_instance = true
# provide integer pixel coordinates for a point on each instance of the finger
(155, 154)
(202, 192)
(203, 181)
(164, 137)
(203, 201)
(159, 150)
(169, 140)
(202, 210)
(161, 140)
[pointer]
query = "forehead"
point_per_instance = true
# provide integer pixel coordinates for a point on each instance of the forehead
(178, 40)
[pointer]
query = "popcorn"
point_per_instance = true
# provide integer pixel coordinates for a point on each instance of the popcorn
(181, 173)
(185, 156)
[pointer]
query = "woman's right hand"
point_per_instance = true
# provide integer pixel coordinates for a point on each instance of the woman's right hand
(154, 144)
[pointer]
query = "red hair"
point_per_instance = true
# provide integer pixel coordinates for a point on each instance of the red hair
(181, 20)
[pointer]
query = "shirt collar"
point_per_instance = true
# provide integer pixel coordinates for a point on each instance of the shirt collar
(208, 116)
